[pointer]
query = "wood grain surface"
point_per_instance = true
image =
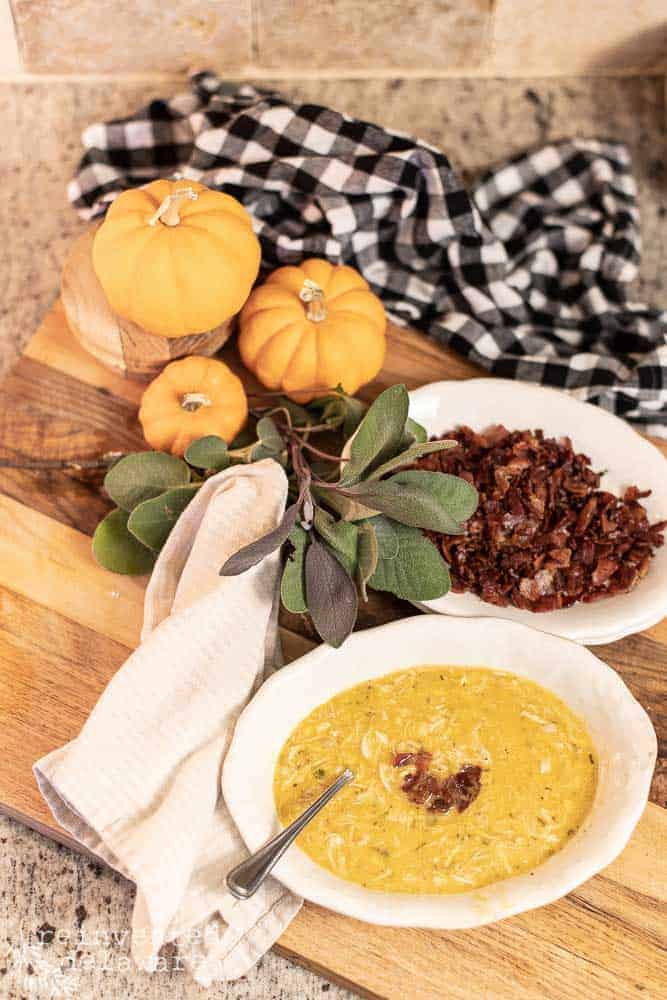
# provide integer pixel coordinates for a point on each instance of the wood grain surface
(66, 626)
(115, 341)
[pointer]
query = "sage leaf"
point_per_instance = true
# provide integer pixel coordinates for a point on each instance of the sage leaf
(345, 507)
(386, 536)
(413, 433)
(409, 456)
(116, 549)
(331, 593)
(368, 552)
(432, 500)
(379, 434)
(251, 554)
(353, 410)
(417, 572)
(143, 475)
(459, 496)
(208, 452)
(341, 536)
(151, 521)
(293, 583)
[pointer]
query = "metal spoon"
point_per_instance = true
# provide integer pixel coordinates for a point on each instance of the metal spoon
(244, 880)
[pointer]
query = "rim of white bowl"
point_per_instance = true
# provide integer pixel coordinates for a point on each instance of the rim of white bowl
(595, 629)
(447, 911)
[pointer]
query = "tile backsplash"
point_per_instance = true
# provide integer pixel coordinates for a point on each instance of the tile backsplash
(371, 37)
(127, 36)
(451, 35)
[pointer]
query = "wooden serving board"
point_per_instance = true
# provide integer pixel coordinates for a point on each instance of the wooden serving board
(66, 626)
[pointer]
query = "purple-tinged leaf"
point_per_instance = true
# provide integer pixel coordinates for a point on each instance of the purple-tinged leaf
(251, 554)
(331, 593)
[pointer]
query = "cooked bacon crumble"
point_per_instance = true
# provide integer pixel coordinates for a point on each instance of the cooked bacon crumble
(425, 789)
(544, 535)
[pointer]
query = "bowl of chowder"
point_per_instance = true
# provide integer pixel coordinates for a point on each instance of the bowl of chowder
(496, 768)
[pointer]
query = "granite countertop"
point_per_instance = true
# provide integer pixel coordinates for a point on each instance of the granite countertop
(476, 122)
(65, 921)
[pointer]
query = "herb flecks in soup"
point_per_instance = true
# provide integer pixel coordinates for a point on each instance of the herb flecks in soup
(535, 784)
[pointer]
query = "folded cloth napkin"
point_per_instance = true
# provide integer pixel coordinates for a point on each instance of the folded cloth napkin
(527, 276)
(140, 784)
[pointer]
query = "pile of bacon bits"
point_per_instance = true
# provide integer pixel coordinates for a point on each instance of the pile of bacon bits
(424, 789)
(544, 535)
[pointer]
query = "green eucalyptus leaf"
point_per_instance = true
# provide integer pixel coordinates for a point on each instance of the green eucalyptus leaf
(409, 456)
(259, 452)
(245, 437)
(331, 410)
(151, 521)
(379, 434)
(386, 535)
(293, 583)
(414, 433)
(331, 593)
(368, 553)
(119, 551)
(142, 475)
(270, 443)
(269, 435)
(417, 572)
(340, 536)
(299, 415)
(433, 500)
(208, 452)
(340, 410)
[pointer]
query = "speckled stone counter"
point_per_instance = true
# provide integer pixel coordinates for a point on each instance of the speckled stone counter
(63, 920)
(64, 933)
(476, 122)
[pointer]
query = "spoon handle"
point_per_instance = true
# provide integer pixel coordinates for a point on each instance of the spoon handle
(245, 879)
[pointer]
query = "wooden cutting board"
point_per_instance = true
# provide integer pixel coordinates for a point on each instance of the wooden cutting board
(66, 626)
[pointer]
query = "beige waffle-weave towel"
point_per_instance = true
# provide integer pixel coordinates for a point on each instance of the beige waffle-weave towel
(140, 784)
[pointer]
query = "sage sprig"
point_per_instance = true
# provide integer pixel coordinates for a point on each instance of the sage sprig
(355, 522)
(364, 529)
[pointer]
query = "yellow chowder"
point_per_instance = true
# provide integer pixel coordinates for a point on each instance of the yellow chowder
(463, 776)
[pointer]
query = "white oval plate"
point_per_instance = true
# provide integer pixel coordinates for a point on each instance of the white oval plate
(620, 729)
(610, 443)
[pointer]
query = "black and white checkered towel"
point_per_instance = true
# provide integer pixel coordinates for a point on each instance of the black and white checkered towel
(527, 275)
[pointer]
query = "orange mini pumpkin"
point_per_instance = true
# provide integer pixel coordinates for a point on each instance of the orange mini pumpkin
(191, 398)
(175, 257)
(312, 328)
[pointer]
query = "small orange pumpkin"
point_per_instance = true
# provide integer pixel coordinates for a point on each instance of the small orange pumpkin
(189, 399)
(312, 328)
(175, 257)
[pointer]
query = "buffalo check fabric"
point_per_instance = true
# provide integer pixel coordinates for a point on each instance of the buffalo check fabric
(527, 274)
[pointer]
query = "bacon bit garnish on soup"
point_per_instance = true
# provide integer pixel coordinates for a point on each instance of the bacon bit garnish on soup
(544, 534)
(425, 789)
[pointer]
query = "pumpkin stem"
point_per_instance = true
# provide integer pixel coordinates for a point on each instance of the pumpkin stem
(167, 211)
(191, 401)
(312, 294)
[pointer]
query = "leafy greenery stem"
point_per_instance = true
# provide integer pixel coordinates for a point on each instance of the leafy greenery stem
(60, 464)
(326, 455)
(303, 475)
